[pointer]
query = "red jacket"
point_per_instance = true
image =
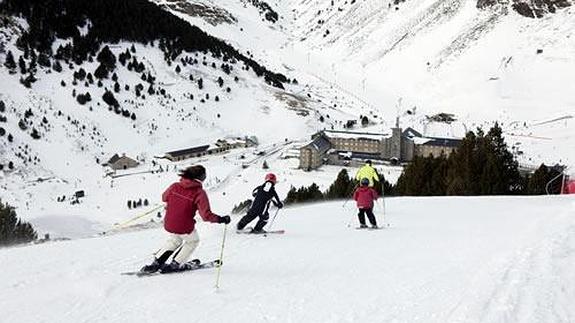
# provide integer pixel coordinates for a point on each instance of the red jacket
(184, 199)
(365, 196)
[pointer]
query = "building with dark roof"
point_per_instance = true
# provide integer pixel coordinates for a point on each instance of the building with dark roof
(121, 162)
(311, 155)
(338, 147)
(187, 153)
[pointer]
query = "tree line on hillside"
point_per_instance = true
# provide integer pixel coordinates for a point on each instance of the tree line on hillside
(89, 24)
(482, 165)
(342, 188)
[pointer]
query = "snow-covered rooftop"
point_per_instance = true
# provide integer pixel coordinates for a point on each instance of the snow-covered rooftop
(353, 135)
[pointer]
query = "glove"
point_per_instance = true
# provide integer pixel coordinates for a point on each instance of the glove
(280, 205)
(225, 219)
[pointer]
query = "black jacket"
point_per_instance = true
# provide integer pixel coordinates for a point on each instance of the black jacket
(263, 195)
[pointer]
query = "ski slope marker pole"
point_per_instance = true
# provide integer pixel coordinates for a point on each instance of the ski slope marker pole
(221, 258)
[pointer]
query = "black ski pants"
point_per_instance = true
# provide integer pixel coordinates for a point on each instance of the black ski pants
(370, 216)
(250, 217)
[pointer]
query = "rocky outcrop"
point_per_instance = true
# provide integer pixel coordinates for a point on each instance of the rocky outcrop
(528, 8)
(539, 8)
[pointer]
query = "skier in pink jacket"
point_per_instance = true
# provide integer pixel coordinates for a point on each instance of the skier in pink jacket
(365, 196)
(183, 199)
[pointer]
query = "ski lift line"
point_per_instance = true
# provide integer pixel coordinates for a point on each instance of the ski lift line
(369, 105)
(552, 120)
(528, 136)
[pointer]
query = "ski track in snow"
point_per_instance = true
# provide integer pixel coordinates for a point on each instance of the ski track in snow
(520, 280)
(485, 259)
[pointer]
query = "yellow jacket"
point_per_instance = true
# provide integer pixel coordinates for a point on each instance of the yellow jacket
(368, 172)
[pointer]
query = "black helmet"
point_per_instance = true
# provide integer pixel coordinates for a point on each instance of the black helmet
(194, 172)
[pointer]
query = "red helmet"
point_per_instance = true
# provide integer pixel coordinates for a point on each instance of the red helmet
(270, 177)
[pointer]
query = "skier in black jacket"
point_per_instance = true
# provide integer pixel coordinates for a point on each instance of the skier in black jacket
(263, 195)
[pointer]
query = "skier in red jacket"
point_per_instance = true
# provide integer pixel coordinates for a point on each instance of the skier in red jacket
(365, 196)
(183, 199)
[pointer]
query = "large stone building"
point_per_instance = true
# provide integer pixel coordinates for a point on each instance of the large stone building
(341, 147)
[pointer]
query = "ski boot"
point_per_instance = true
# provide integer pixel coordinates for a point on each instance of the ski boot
(192, 264)
(172, 267)
(151, 268)
(363, 226)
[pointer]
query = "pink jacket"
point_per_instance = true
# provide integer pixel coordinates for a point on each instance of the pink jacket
(184, 199)
(365, 197)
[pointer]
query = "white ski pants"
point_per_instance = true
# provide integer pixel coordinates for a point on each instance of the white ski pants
(183, 245)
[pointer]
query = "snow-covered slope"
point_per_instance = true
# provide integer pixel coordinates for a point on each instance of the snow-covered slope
(449, 56)
(424, 57)
(442, 260)
(421, 57)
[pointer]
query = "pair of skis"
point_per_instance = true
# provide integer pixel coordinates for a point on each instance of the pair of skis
(263, 232)
(191, 265)
(195, 264)
(384, 226)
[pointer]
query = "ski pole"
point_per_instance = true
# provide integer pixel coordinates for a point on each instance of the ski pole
(350, 220)
(383, 197)
(273, 219)
(350, 196)
(345, 203)
(221, 258)
(383, 206)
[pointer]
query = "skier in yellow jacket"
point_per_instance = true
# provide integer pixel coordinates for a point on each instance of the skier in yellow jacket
(367, 171)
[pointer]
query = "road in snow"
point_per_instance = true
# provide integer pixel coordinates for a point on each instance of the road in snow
(488, 259)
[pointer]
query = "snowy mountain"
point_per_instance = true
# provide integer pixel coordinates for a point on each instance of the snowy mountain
(442, 260)
(482, 61)
(277, 70)
(82, 81)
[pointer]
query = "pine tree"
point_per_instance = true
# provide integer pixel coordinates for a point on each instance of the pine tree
(107, 58)
(537, 183)
(110, 100)
(56, 66)
(101, 73)
(461, 167)
(12, 229)
(35, 134)
(342, 187)
(242, 207)
(506, 168)
(10, 63)
(22, 65)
